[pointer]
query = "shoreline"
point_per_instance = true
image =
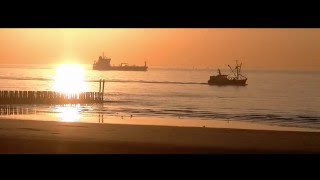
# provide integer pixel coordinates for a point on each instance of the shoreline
(159, 121)
(47, 137)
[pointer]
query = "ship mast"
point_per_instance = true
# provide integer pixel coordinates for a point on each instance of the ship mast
(232, 70)
(237, 67)
(240, 72)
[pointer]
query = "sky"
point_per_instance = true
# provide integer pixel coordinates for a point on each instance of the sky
(266, 49)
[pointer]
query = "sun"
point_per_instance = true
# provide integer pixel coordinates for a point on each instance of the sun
(69, 78)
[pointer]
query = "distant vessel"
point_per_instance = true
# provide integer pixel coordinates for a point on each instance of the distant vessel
(103, 64)
(222, 79)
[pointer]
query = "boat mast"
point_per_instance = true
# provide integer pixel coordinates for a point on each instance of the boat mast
(240, 72)
(237, 67)
(232, 70)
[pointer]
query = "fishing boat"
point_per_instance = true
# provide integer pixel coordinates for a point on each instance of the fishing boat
(226, 79)
(103, 64)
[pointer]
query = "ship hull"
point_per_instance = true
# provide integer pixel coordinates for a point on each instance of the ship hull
(121, 68)
(228, 82)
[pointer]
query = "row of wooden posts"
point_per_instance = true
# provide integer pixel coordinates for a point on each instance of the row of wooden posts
(15, 110)
(52, 97)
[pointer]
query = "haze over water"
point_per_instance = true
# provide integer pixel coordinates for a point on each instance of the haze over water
(279, 98)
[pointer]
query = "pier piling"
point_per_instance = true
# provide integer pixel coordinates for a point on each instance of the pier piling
(51, 97)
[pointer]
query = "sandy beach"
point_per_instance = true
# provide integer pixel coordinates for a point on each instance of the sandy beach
(27, 136)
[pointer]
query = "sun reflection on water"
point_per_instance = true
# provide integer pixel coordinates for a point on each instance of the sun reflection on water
(68, 113)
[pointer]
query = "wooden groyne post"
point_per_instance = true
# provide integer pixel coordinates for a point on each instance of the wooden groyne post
(101, 90)
(52, 97)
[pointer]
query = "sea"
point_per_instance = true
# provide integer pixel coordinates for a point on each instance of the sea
(275, 98)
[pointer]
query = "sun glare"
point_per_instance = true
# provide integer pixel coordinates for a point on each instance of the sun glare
(68, 113)
(69, 78)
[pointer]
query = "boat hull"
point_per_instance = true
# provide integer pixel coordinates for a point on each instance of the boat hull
(228, 82)
(121, 68)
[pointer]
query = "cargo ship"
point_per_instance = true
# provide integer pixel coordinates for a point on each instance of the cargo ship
(103, 64)
(223, 79)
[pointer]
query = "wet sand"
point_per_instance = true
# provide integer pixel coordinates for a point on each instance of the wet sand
(27, 136)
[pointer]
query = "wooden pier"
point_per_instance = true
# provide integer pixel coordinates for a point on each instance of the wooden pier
(52, 97)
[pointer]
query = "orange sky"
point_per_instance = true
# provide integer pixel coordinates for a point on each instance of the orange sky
(271, 49)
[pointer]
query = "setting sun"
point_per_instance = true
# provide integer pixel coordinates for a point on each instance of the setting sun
(69, 78)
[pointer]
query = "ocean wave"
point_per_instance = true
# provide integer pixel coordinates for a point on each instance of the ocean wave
(270, 119)
(25, 78)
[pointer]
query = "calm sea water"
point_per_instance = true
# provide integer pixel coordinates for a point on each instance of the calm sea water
(274, 98)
